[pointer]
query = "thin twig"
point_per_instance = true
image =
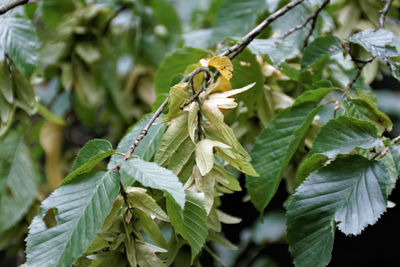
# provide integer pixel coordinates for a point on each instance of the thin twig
(314, 22)
(197, 71)
(394, 141)
(360, 67)
(122, 8)
(312, 17)
(146, 128)
(235, 50)
(383, 152)
(384, 13)
(11, 4)
(125, 197)
(360, 63)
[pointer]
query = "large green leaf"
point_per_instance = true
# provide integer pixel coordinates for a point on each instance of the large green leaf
(191, 222)
(322, 46)
(152, 175)
(236, 17)
(19, 41)
(350, 191)
(245, 74)
(343, 134)
(78, 210)
(173, 65)
(339, 136)
(275, 50)
(18, 179)
(375, 42)
(297, 16)
(89, 156)
(146, 148)
(276, 144)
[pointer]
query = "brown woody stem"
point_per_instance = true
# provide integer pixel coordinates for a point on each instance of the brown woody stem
(4, 8)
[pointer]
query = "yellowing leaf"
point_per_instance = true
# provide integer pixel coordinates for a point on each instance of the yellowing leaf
(192, 119)
(51, 141)
(205, 155)
(221, 85)
(223, 65)
(231, 92)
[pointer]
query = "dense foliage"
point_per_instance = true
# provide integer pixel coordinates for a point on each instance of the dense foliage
(173, 104)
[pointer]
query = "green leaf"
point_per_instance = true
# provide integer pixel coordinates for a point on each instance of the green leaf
(89, 156)
(343, 134)
(151, 175)
(276, 51)
(173, 65)
(236, 160)
(6, 88)
(322, 46)
(138, 198)
(166, 15)
(364, 109)
(144, 221)
(225, 178)
(181, 156)
(81, 208)
(173, 137)
(308, 165)
(18, 179)
(146, 148)
(236, 17)
(24, 91)
(145, 254)
(18, 40)
(375, 42)
(191, 222)
(297, 16)
(247, 71)
(349, 191)
(221, 240)
(395, 149)
(5, 110)
(276, 144)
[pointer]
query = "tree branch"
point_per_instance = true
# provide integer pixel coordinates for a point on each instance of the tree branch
(384, 13)
(122, 8)
(383, 152)
(146, 128)
(314, 22)
(312, 17)
(360, 66)
(231, 52)
(4, 8)
(235, 50)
